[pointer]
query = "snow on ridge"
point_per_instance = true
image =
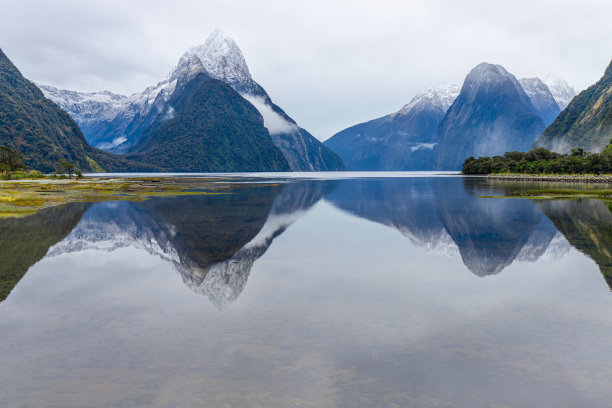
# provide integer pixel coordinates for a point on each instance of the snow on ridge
(443, 96)
(538, 92)
(560, 89)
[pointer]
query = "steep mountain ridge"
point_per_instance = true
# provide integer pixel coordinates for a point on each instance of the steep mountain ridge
(586, 122)
(541, 98)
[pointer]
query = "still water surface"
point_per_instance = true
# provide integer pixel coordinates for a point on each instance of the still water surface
(351, 292)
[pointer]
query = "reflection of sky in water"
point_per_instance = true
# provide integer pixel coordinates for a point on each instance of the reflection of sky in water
(337, 311)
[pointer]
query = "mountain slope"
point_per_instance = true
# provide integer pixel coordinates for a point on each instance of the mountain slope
(586, 122)
(491, 115)
(116, 123)
(36, 127)
(399, 141)
(212, 129)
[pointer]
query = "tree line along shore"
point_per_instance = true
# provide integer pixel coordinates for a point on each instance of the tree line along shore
(576, 166)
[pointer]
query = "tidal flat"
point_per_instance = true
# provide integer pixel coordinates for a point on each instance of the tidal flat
(19, 198)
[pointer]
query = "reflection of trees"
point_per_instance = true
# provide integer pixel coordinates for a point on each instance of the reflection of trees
(587, 225)
(24, 241)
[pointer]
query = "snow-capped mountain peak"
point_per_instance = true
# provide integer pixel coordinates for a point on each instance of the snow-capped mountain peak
(219, 56)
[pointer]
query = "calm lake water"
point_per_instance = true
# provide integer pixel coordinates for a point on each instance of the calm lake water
(344, 292)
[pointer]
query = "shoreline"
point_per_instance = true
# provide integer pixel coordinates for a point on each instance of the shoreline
(578, 178)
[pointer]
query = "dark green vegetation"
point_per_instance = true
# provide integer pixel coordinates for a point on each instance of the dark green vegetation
(36, 127)
(213, 129)
(10, 160)
(24, 241)
(491, 115)
(586, 122)
(542, 161)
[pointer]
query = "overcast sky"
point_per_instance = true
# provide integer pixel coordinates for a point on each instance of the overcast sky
(328, 64)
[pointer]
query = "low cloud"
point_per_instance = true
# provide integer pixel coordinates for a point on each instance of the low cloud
(116, 142)
(274, 122)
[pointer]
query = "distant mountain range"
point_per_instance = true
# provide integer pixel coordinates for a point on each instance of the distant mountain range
(128, 124)
(209, 115)
(403, 140)
(490, 114)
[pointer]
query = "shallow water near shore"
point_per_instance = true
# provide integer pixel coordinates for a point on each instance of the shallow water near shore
(347, 290)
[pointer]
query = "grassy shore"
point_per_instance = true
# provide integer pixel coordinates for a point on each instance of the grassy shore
(25, 197)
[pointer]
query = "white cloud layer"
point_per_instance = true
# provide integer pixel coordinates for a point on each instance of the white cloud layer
(329, 64)
(274, 122)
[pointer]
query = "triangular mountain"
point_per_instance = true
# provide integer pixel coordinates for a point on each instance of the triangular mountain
(491, 115)
(116, 123)
(210, 128)
(586, 122)
(403, 140)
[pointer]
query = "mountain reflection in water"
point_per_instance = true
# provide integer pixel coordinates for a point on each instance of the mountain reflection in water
(361, 292)
(214, 240)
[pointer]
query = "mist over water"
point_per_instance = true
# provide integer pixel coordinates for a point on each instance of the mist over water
(349, 292)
